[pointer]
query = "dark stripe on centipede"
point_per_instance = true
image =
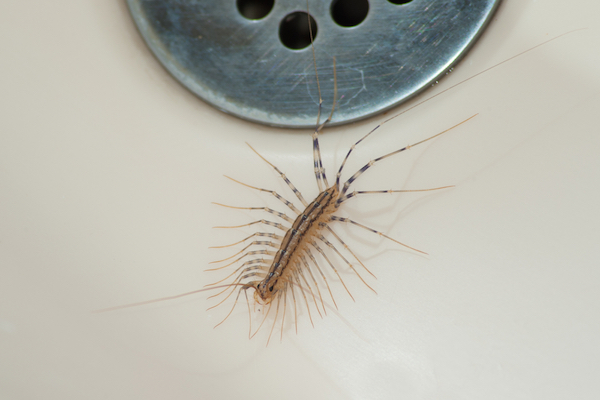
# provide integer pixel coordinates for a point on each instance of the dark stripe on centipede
(285, 254)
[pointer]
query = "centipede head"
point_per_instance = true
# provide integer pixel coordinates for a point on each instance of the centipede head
(266, 290)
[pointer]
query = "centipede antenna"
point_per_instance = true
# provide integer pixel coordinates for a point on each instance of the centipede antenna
(334, 102)
(312, 46)
(167, 298)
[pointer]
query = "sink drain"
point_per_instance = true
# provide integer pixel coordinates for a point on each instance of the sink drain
(252, 58)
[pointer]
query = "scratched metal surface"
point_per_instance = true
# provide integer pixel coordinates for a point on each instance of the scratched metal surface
(240, 65)
(108, 168)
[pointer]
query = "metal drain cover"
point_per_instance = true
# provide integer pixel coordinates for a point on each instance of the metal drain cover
(241, 65)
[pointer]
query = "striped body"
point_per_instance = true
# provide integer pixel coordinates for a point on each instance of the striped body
(307, 226)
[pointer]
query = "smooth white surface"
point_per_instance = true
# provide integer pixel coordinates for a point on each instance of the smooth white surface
(108, 168)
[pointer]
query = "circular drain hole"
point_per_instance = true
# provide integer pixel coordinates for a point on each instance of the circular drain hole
(399, 1)
(255, 9)
(349, 13)
(293, 30)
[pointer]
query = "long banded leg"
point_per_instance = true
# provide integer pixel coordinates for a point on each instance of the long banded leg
(320, 250)
(339, 173)
(297, 278)
(290, 282)
(312, 46)
(318, 164)
(267, 209)
(249, 266)
(264, 234)
(455, 85)
(357, 192)
(331, 246)
(260, 221)
(318, 161)
(316, 264)
(348, 249)
(335, 218)
(249, 315)
(301, 272)
(370, 163)
(272, 192)
(254, 243)
(285, 178)
(334, 103)
(248, 253)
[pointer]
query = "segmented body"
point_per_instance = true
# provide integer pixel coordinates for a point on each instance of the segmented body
(293, 266)
(307, 226)
(293, 262)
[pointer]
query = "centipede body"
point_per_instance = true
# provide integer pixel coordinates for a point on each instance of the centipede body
(288, 267)
(293, 266)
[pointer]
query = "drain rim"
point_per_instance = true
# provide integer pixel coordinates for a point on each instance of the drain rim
(279, 88)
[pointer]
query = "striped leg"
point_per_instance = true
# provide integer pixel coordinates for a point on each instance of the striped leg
(303, 258)
(357, 192)
(331, 246)
(272, 192)
(335, 218)
(254, 243)
(247, 266)
(248, 253)
(318, 161)
(285, 178)
(348, 248)
(267, 209)
(314, 261)
(320, 250)
(265, 234)
(260, 221)
(368, 165)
